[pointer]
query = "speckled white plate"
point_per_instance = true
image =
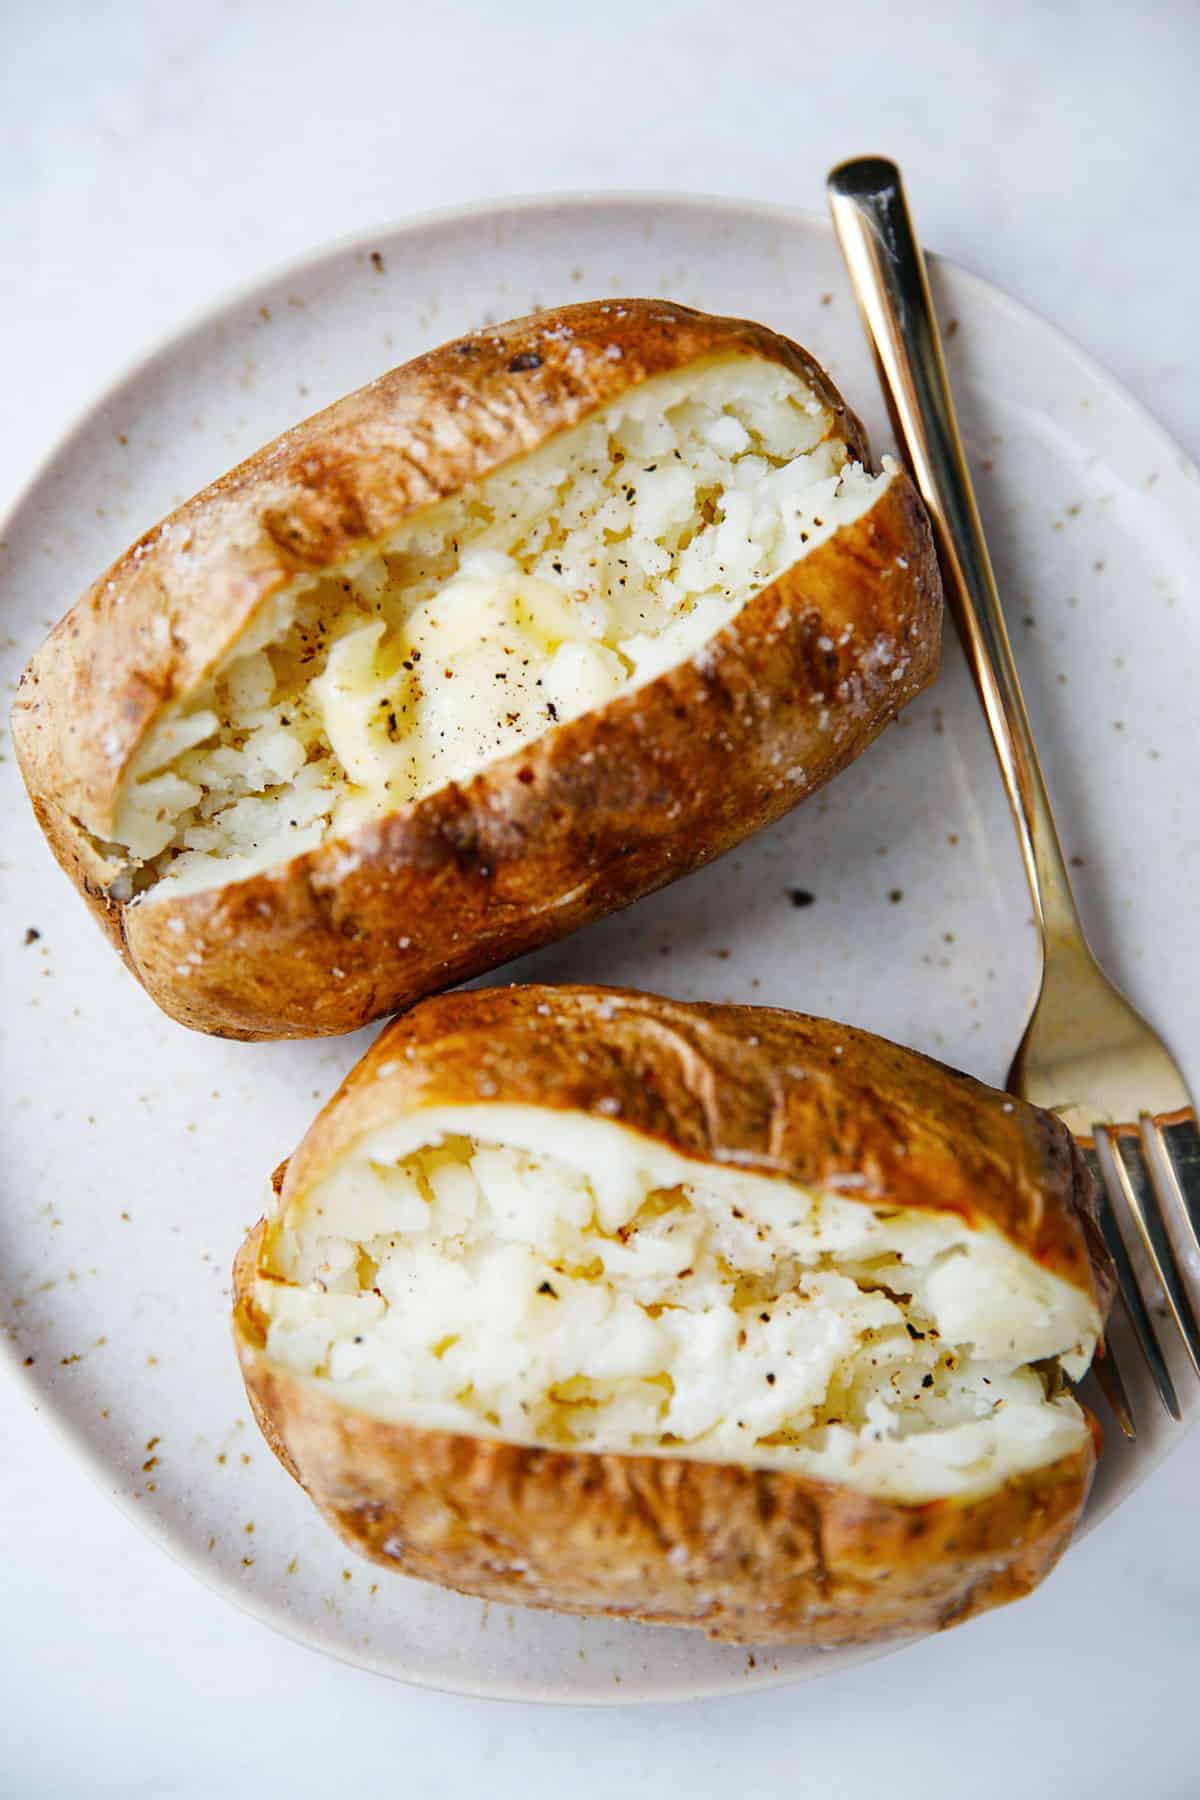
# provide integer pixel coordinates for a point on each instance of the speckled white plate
(133, 1152)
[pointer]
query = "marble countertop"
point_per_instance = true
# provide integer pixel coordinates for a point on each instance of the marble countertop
(159, 156)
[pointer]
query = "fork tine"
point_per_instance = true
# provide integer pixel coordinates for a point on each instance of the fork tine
(1111, 1383)
(1136, 1178)
(1176, 1137)
(1131, 1294)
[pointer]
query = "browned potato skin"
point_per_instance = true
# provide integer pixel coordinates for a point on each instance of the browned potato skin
(582, 821)
(749, 1555)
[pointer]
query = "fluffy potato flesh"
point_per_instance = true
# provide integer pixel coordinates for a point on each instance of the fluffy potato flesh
(557, 583)
(558, 1279)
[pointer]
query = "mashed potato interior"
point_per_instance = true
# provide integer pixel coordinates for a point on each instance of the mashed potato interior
(560, 581)
(561, 1280)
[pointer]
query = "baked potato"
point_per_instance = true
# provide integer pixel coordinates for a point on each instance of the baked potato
(517, 633)
(710, 1316)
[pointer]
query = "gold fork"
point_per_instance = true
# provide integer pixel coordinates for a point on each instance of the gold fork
(1086, 1053)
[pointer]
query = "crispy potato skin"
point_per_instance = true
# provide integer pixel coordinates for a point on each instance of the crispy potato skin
(585, 819)
(749, 1555)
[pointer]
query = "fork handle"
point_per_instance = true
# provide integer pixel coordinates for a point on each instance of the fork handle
(887, 273)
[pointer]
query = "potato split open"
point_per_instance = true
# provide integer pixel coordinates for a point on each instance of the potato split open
(706, 1315)
(521, 631)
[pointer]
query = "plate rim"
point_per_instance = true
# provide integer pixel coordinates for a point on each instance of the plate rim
(73, 1435)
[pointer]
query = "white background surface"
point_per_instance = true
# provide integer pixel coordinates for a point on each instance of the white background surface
(156, 157)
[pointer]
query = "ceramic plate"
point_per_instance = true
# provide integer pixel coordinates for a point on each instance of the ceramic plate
(134, 1152)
